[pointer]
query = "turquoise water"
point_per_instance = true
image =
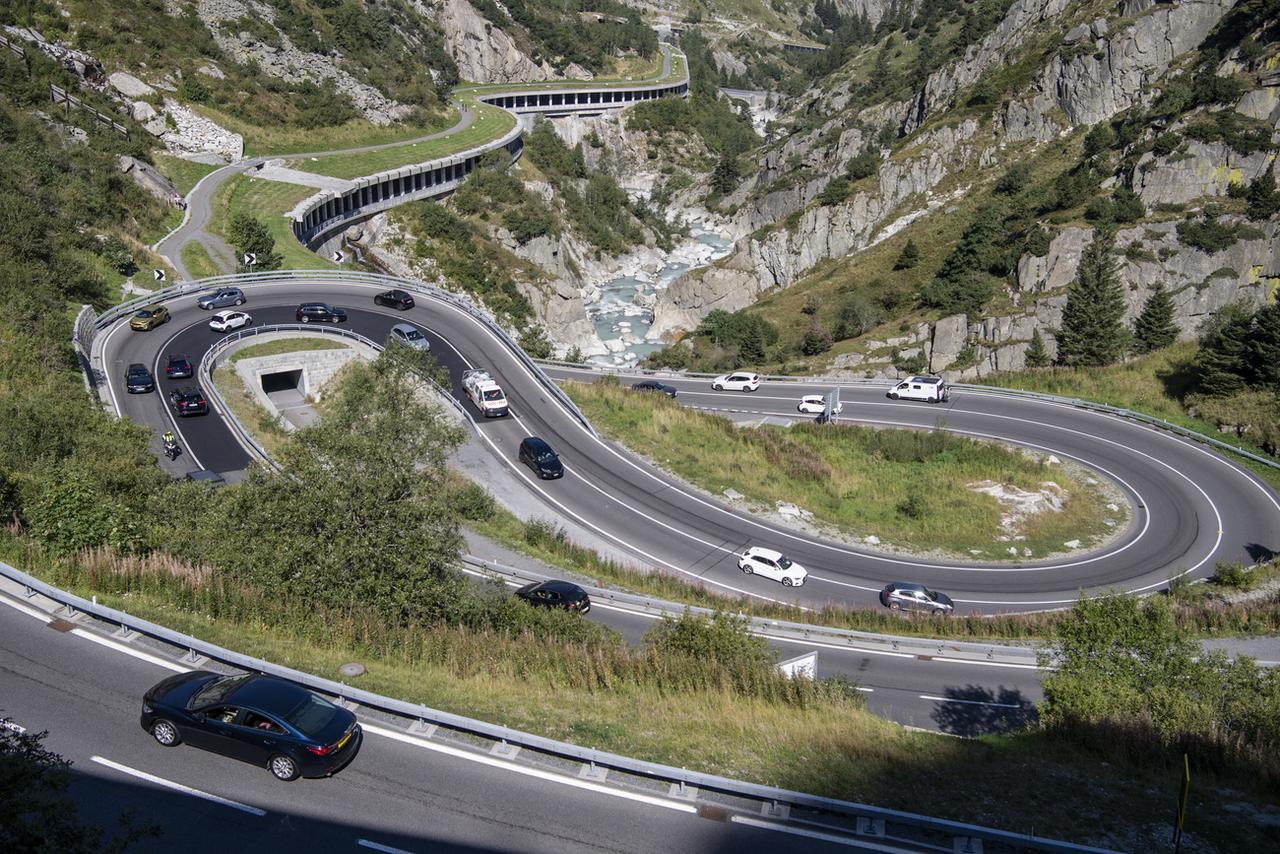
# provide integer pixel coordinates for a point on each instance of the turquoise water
(624, 310)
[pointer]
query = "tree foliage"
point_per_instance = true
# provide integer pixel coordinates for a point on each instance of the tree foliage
(1037, 355)
(1092, 331)
(1154, 327)
(250, 235)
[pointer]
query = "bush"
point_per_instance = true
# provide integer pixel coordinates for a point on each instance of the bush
(533, 340)
(474, 502)
(863, 165)
(836, 191)
(1232, 575)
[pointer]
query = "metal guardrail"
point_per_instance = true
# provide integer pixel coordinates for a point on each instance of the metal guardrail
(184, 289)
(1075, 402)
(785, 629)
(61, 96)
(210, 361)
(879, 819)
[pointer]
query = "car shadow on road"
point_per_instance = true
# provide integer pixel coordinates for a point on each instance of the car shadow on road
(972, 710)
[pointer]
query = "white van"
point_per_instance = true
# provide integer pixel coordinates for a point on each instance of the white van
(932, 389)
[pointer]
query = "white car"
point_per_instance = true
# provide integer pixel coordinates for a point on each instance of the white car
(225, 321)
(816, 404)
(737, 381)
(408, 335)
(772, 565)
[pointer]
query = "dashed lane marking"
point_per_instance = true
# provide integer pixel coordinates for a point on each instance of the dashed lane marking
(178, 787)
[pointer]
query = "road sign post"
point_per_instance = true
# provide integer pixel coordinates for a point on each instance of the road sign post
(833, 406)
(250, 259)
(158, 275)
(338, 256)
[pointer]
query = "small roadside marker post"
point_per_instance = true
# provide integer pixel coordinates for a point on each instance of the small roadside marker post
(1184, 791)
(338, 257)
(250, 259)
(158, 275)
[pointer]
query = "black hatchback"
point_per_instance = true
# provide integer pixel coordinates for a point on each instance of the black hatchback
(537, 455)
(258, 719)
(395, 298)
(556, 594)
(138, 380)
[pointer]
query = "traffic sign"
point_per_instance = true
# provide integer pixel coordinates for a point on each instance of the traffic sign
(833, 405)
(158, 275)
(250, 259)
(338, 257)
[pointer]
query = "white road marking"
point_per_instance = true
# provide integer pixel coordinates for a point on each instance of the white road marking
(485, 759)
(160, 781)
(164, 401)
(128, 650)
(27, 609)
(969, 702)
(378, 846)
(814, 834)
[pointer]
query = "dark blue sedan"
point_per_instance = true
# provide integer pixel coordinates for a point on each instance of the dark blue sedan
(258, 719)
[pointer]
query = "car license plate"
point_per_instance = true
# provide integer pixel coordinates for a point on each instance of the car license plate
(344, 740)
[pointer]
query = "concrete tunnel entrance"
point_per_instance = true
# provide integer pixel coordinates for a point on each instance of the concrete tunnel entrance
(283, 382)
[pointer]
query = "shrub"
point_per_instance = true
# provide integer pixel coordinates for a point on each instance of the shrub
(863, 165)
(1232, 575)
(474, 502)
(836, 191)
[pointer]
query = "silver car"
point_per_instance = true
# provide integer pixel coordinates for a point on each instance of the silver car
(222, 298)
(408, 335)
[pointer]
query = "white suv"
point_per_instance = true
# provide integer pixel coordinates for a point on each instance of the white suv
(772, 565)
(737, 381)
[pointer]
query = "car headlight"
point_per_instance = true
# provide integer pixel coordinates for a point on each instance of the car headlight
(146, 708)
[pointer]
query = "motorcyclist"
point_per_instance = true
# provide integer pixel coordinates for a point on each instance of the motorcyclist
(170, 444)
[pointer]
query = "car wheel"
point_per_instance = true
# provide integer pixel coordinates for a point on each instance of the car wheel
(893, 395)
(306, 319)
(787, 582)
(165, 733)
(895, 606)
(239, 302)
(283, 768)
(717, 387)
(746, 567)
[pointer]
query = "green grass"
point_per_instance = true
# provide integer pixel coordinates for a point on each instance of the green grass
(826, 747)
(269, 201)
(490, 123)
(197, 261)
(286, 345)
(184, 173)
(260, 141)
(172, 219)
(909, 488)
(1154, 384)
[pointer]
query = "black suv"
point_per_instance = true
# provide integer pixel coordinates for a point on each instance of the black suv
(537, 455)
(178, 368)
(138, 380)
(395, 298)
(556, 594)
(189, 401)
(320, 312)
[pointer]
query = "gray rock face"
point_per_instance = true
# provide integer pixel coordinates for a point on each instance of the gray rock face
(287, 62)
(1262, 104)
(484, 53)
(195, 134)
(1205, 169)
(129, 86)
(950, 334)
(1117, 74)
(1201, 283)
(142, 112)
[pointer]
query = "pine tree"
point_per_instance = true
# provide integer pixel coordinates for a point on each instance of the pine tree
(1092, 330)
(909, 258)
(1264, 347)
(751, 347)
(725, 176)
(1154, 327)
(1222, 362)
(1037, 355)
(1264, 201)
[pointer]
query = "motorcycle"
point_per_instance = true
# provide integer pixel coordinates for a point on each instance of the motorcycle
(171, 449)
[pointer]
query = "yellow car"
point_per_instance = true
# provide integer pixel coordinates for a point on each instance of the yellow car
(149, 317)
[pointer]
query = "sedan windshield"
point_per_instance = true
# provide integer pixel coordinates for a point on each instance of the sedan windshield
(414, 335)
(216, 691)
(785, 563)
(546, 457)
(312, 715)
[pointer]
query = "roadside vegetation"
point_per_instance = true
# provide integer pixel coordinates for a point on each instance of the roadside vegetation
(910, 488)
(243, 198)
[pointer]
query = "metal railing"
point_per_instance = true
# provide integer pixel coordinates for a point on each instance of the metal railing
(61, 96)
(875, 822)
(1074, 402)
(459, 302)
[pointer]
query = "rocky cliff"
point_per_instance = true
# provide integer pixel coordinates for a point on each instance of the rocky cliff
(1098, 70)
(485, 53)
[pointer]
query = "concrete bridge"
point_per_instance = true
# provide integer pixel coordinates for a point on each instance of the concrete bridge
(322, 217)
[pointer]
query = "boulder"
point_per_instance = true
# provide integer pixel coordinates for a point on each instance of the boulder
(1261, 104)
(142, 112)
(949, 337)
(129, 86)
(1076, 34)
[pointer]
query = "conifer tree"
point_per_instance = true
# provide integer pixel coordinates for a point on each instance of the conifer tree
(1154, 327)
(1037, 355)
(909, 258)
(1092, 330)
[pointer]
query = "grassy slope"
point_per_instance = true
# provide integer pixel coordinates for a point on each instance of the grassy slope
(269, 201)
(842, 752)
(259, 141)
(182, 172)
(286, 345)
(865, 487)
(197, 261)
